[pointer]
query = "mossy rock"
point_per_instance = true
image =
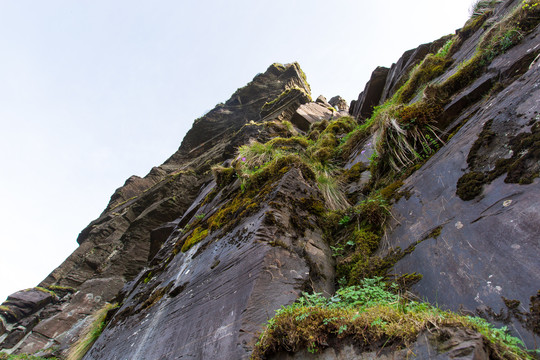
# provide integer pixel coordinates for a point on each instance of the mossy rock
(196, 236)
(470, 185)
(223, 175)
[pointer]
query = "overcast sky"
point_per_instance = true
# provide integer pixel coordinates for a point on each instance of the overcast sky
(92, 92)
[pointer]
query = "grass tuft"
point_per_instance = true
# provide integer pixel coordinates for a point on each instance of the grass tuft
(91, 333)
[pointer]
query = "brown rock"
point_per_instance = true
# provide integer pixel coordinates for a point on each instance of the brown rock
(24, 303)
(339, 103)
(310, 113)
(13, 338)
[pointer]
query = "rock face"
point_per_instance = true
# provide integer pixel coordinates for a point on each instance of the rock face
(371, 96)
(481, 259)
(115, 247)
(199, 255)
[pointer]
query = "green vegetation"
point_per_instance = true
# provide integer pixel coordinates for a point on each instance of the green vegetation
(4, 356)
(91, 333)
(196, 236)
(371, 313)
(482, 7)
(48, 291)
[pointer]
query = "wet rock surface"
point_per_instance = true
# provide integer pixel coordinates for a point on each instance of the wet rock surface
(484, 251)
(225, 287)
(140, 216)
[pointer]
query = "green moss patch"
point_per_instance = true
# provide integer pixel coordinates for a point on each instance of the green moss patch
(196, 236)
(521, 168)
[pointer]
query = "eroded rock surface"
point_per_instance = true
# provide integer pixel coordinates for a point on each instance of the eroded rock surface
(444, 344)
(115, 247)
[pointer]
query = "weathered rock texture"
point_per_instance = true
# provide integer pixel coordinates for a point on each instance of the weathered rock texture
(198, 266)
(115, 247)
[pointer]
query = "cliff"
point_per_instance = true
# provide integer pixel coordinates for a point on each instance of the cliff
(429, 180)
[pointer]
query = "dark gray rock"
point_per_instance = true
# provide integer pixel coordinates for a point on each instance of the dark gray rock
(115, 247)
(362, 108)
(399, 72)
(487, 247)
(224, 288)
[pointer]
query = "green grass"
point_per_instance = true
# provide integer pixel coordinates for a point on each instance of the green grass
(4, 356)
(90, 334)
(368, 314)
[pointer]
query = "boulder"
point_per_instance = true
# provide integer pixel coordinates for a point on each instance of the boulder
(311, 113)
(339, 103)
(24, 303)
(322, 101)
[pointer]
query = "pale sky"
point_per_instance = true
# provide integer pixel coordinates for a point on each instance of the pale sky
(92, 92)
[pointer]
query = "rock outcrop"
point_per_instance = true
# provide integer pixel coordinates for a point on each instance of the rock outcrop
(272, 194)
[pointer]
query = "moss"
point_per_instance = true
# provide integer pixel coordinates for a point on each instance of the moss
(223, 175)
(431, 67)
(342, 125)
(279, 167)
(314, 135)
(302, 74)
(279, 66)
(389, 192)
(211, 195)
(420, 113)
(373, 212)
(352, 140)
(465, 75)
(405, 281)
(354, 173)
(156, 295)
(323, 154)
(282, 98)
(521, 168)
(8, 312)
(435, 233)
(473, 24)
(292, 143)
(319, 126)
(148, 278)
(370, 323)
(4, 356)
(470, 185)
(48, 291)
(196, 236)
